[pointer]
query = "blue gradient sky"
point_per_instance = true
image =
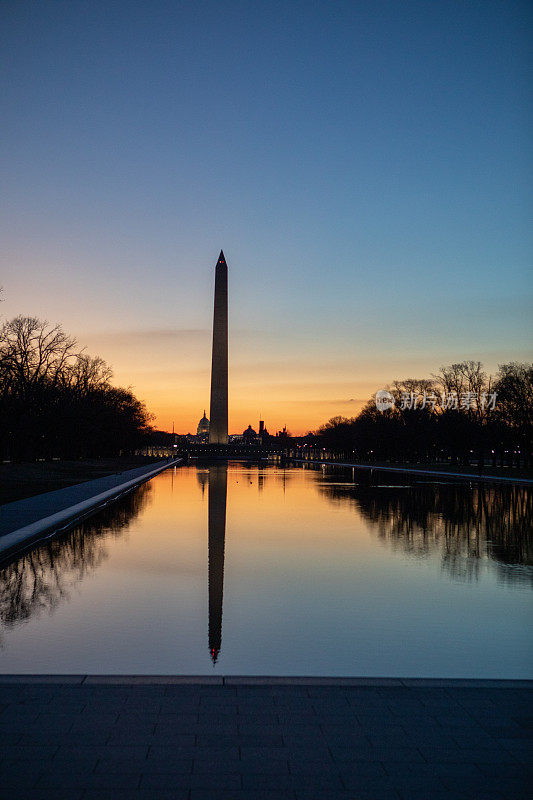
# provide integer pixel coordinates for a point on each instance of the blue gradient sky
(366, 167)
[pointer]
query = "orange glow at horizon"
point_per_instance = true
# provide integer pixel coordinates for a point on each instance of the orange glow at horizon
(170, 372)
(282, 384)
(299, 415)
(298, 405)
(283, 380)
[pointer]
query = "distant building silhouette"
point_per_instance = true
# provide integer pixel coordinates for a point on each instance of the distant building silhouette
(284, 434)
(202, 432)
(263, 435)
(249, 436)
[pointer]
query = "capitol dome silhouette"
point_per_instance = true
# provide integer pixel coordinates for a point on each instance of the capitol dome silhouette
(203, 426)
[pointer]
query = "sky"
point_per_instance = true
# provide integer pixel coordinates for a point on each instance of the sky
(366, 167)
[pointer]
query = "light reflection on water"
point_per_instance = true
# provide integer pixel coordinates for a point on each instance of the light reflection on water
(263, 570)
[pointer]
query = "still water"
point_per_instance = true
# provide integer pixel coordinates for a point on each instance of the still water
(240, 570)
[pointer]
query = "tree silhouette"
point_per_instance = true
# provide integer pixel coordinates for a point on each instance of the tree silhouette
(41, 579)
(56, 400)
(468, 527)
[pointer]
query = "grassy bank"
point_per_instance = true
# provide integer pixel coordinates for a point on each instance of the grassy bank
(18, 481)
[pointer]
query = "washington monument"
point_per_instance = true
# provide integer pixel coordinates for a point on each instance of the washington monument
(218, 424)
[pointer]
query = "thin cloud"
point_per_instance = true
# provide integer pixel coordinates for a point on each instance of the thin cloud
(147, 335)
(337, 402)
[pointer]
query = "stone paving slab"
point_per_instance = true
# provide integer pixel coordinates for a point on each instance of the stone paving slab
(173, 737)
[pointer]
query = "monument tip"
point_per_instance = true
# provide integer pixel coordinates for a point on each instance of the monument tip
(221, 259)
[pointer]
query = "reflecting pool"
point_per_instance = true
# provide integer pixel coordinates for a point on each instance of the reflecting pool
(260, 570)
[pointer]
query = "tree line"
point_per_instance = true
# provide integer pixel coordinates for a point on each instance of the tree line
(460, 414)
(58, 402)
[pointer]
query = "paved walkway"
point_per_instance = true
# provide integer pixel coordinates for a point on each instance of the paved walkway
(467, 476)
(84, 738)
(24, 520)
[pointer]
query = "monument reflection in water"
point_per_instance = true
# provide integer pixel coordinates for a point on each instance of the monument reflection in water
(218, 492)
